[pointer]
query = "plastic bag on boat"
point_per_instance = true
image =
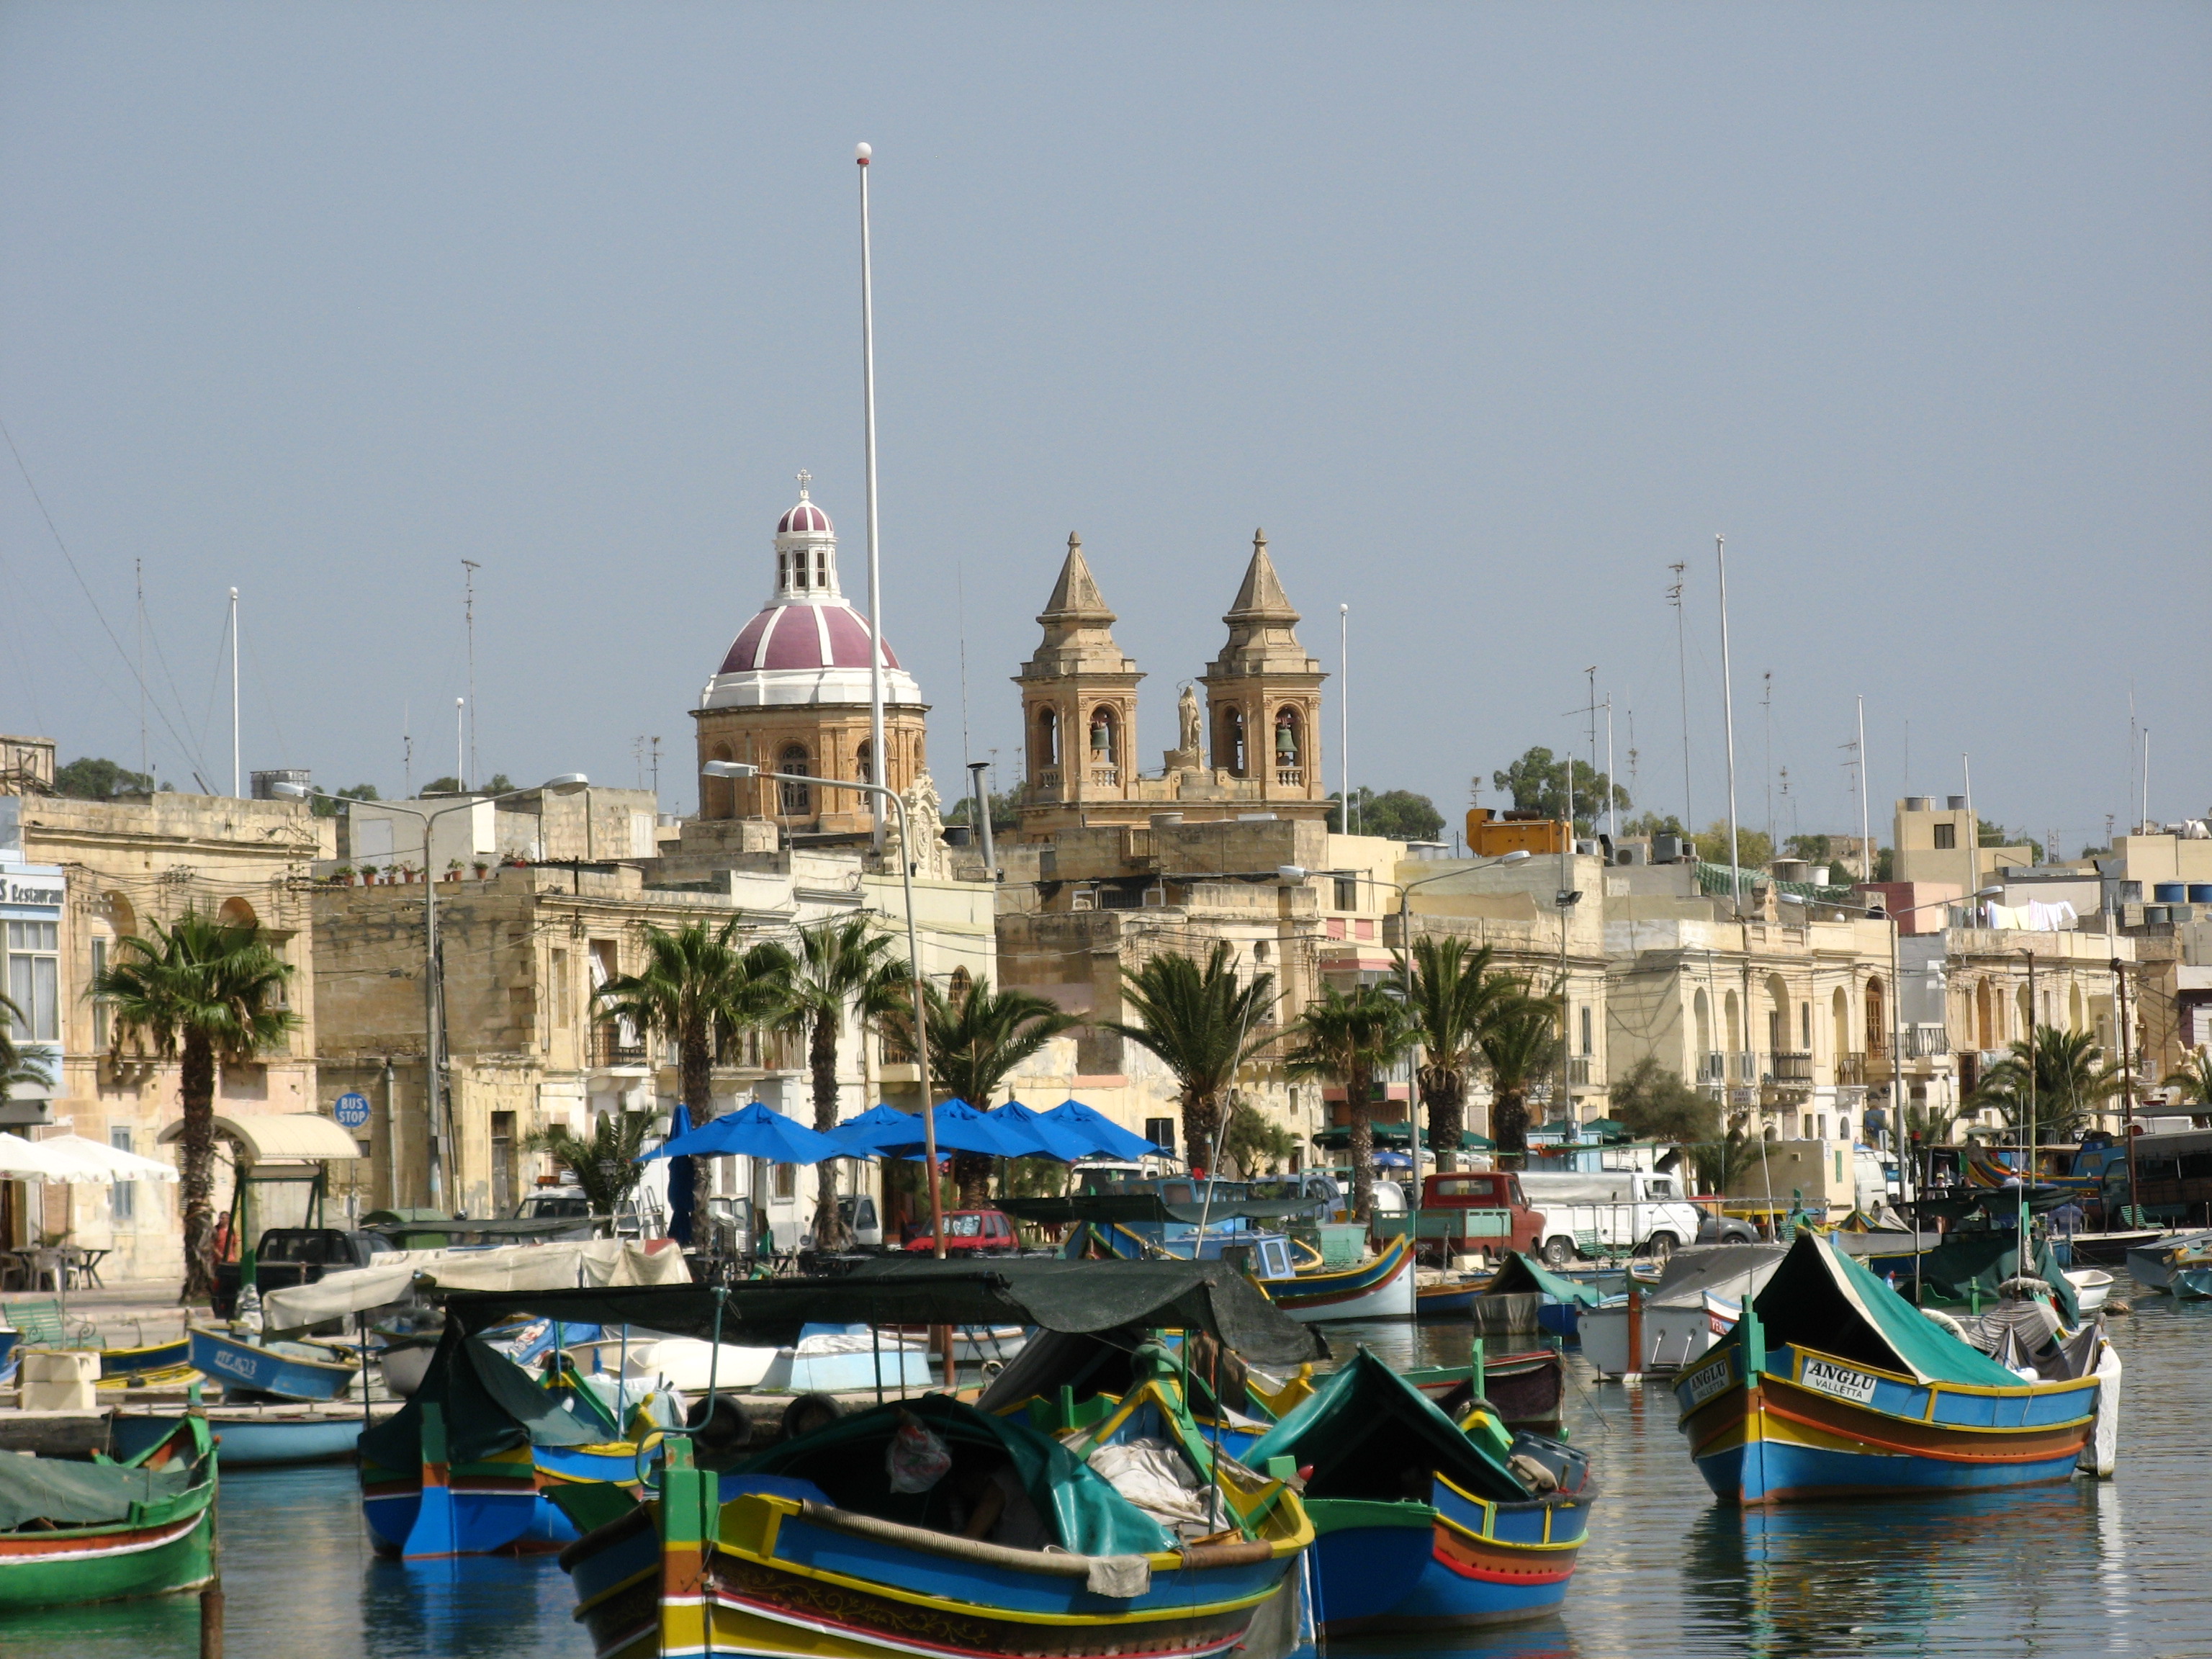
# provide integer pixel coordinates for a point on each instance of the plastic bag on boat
(917, 1458)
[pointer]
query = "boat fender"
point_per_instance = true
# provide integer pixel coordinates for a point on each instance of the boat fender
(1945, 1320)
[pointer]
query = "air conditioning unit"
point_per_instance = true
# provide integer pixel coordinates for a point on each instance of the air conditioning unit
(1588, 849)
(1632, 852)
(1666, 849)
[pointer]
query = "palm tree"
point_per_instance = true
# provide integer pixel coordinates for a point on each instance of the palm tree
(14, 1069)
(604, 1162)
(841, 964)
(1203, 1022)
(977, 1037)
(1350, 1039)
(2047, 1087)
(2194, 1080)
(698, 987)
(1455, 995)
(1518, 1047)
(204, 990)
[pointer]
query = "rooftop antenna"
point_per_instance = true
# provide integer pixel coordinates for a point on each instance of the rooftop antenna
(406, 752)
(469, 624)
(862, 154)
(1682, 667)
(1612, 799)
(1866, 832)
(145, 765)
(655, 759)
(460, 744)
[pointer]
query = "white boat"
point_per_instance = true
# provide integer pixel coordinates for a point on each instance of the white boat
(1697, 1303)
(686, 1362)
(2091, 1286)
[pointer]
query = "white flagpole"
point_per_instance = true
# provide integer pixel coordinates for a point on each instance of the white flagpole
(1727, 721)
(875, 768)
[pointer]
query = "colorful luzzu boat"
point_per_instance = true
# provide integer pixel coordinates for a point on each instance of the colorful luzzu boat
(1421, 1523)
(466, 1466)
(1832, 1385)
(768, 1562)
(101, 1532)
(1379, 1287)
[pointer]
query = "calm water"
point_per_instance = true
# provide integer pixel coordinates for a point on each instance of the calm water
(2088, 1569)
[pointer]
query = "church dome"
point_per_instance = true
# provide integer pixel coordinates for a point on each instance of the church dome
(803, 520)
(788, 634)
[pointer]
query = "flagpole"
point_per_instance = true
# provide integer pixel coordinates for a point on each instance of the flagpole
(876, 767)
(1728, 722)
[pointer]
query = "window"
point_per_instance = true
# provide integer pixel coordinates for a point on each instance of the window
(1588, 1047)
(1347, 892)
(99, 1009)
(1805, 1026)
(562, 994)
(785, 1180)
(503, 1162)
(34, 980)
(797, 800)
(1947, 837)
(1161, 1132)
(123, 1196)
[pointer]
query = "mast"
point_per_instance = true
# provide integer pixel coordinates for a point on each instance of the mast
(468, 626)
(875, 567)
(1343, 714)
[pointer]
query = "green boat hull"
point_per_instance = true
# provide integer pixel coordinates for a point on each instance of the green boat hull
(108, 1564)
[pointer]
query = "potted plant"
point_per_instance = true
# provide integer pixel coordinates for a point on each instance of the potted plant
(484, 870)
(342, 876)
(452, 869)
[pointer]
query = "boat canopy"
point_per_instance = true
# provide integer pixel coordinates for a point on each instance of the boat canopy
(489, 1404)
(1733, 1270)
(1969, 1264)
(70, 1494)
(1109, 1209)
(1365, 1430)
(1821, 1299)
(1522, 1275)
(1044, 1292)
(512, 1267)
(846, 1462)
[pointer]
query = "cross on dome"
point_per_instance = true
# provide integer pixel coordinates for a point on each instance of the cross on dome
(804, 479)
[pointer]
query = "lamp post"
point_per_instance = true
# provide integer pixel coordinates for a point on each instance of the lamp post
(433, 1060)
(717, 769)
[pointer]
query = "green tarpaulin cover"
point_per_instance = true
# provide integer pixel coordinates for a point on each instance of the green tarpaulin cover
(1524, 1273)
(69, 1494)
(1365, 1430)
(847, 1461)
(915, 1290)
(1820, 1298)
(489, 1403)
(1976, 1263)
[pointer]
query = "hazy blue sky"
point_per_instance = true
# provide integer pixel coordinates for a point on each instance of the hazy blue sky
(1486, 314)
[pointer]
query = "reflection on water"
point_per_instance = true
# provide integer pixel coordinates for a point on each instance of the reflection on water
(2063, 1572)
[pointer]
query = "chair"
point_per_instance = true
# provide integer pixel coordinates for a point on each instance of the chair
(45, 1323)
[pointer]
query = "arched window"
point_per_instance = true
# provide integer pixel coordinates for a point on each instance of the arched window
(2073, 1017)
(1704, 1012)
(864, 770)
(1734, 1017)
(958, 986)
(1840, 1022)
(1778, 1015)
(236, 913)
(1229, 746)
(796, 799)
(1877, 1018)
(821, 567)
(783, 570)
(1105, 736)
(121, 916)
(1986, 1019)
(1048, 737)
(1289, 747)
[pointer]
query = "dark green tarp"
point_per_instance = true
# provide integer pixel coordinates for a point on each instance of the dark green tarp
(1969, 1264)
(916, 1290)
(70, 1494)
(847, 1461)
(1821, 1299)
(1366, 1432)
(489, 1403)
(1522, 1273)
(1142, 1208)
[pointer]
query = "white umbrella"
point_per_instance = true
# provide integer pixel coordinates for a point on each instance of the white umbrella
(29, 1160)
(103, 1162)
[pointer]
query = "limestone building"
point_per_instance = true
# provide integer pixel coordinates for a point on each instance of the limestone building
(1262, 715)
(793, 696)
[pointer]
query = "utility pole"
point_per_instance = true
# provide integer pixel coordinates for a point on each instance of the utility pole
(145, 763)
(876, 772)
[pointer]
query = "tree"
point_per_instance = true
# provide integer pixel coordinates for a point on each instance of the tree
(2194, 1081)
(1203, 1022)
(1456, 995)
(977, 1037)
(841, 964)
(2048, 1086)
(1255, 1141)
(1655, 823)
(205, 991)
(1352, 1039)
(1653, 1104)
(604, 1163)
(326, 806)
(1996, 835)
(1538, 783)
(91, 779)
(696, 990)
(1005, 811)
(1753, 849)
(16, 1070)
(1396, 814)
(1519, 1045)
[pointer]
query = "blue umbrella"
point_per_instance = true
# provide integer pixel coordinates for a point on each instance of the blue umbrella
(960, 1128)
(1052, 1140)
(854, 1132)
(679, 1178)
(1104, 1136)
(754, 1131)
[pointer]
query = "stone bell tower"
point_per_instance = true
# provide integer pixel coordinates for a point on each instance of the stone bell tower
(1079, 705)
(1263, 693)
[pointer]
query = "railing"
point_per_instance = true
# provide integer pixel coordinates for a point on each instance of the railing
(1791, 1067)
(1291, 777)
(1579, 1071)
(611, 1046)
(1105, 775)
(1852, 1070)
(1716, 1068)
(1926, 1042)
(1046, 777)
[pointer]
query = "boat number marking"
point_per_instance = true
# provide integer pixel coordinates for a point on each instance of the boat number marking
(1845, 1384)
(1703, 1385)
(231, 1362)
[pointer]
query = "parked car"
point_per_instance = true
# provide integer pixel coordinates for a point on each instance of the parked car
(973, 1232)
(864, 1225)
(1718, 1229)
(287, 1256)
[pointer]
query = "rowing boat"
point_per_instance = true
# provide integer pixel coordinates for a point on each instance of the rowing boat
(291, 1371)
(103, 1531)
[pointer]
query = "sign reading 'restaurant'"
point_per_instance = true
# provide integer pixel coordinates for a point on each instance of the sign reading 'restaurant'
(17, 890)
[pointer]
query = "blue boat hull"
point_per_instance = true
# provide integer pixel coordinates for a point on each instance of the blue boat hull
(249, 1441)
(1454, 1561)
(241, 1365)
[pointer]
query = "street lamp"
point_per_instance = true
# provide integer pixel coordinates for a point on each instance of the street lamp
(722, 769)
(433, 1062)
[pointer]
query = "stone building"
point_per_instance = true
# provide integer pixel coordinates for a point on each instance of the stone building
(1262, 710)
(793, 696)
(122, 865)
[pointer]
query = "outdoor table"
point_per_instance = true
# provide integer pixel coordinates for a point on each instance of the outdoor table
(85, 1263)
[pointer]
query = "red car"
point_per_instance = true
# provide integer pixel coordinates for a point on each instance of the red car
(973, 1232)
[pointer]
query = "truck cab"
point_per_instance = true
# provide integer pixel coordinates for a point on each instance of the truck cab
(1611, 1212)
(1481, 1210)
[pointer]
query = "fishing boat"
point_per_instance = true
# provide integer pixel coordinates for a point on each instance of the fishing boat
(2155, 1266)
(1423, 1523)
(1831, 1384)
(103, 1531)
(1677, 1320)
(1524, 1296)
(1528, 1389)
(1380, 1286)
(1443, 1294)
(119, 1365)
(2191, 1283)
(252, 1437)
(289, 1371)
(2093, 1288)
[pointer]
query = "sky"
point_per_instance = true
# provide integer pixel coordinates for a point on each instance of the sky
(1489, 315)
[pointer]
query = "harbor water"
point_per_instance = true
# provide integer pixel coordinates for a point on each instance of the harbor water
(2061, 1572)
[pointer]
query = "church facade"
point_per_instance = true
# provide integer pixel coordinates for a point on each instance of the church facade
(1253, 748)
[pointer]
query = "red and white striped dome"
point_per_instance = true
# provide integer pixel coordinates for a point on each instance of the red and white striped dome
(828, 635)
(805, 519)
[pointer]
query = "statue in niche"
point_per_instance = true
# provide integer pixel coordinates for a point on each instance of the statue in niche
(1186, 714)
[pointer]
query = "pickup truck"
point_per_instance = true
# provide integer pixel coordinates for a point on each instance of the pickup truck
(1462, 1213)
(296, 1255)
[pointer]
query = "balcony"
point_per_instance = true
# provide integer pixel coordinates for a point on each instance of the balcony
(1790, 1067)
(615, 1049)
(1105, 775)
(1926, 1042)
(1291, 777)
(1719, 1067)
(1046, 777)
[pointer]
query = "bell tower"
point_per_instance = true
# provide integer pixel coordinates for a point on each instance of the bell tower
(1263, 692)
(1079, 706)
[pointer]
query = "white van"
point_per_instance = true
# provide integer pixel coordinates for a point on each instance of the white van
(1619, 1210)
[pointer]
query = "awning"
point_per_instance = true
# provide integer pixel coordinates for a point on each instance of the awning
(1109, 1208)
(278, 1135)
